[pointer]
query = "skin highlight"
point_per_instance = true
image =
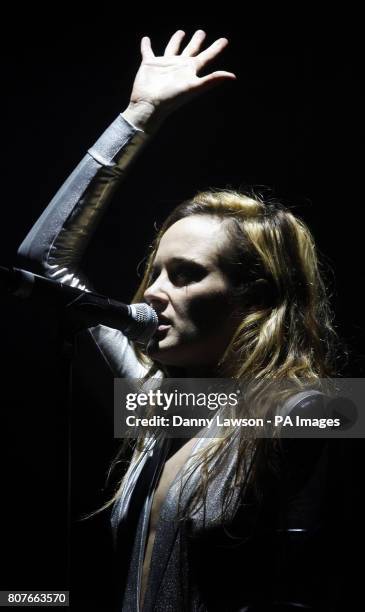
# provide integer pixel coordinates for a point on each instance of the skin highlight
(191, 294)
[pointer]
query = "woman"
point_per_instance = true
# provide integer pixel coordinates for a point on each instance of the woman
(223, 523)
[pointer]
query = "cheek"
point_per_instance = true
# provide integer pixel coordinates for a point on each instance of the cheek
(207, 309)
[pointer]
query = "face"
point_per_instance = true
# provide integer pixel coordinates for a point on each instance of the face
(191, 295)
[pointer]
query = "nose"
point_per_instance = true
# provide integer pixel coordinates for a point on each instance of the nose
(155, 295)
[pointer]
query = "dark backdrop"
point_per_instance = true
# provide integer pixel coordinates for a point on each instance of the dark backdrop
(290, 123)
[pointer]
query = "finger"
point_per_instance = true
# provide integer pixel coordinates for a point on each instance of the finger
(173, 45)
(146, 48)
(194, 45)
(205, 56)
(213, 79)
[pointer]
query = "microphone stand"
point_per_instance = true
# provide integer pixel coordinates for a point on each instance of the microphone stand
(75, 311)
(66, 343)
(67, 349)
(68, 322)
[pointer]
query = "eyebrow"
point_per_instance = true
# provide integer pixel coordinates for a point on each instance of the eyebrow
(183, 260)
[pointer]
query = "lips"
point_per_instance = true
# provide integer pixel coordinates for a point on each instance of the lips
(162, 320)
(163, 323)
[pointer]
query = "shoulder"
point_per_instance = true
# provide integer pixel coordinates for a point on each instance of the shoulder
(305, 443)
(118, 352)
(311, 402)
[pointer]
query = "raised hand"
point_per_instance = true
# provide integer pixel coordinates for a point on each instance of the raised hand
(166, 82)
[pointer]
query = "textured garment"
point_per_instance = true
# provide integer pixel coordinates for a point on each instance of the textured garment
(271, 555)
(56, 243)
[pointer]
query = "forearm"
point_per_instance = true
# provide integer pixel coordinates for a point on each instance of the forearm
(56, 243)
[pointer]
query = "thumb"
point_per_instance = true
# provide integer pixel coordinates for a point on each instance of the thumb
(215, 78)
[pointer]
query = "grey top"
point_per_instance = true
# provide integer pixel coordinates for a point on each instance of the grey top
(56, 243)
(270, 556)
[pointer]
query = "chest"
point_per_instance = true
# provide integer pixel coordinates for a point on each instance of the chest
(171, 469)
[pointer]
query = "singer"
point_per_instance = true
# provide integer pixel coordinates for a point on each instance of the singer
(238, 290)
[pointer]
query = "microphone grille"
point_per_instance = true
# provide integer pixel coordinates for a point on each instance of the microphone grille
(145, 322)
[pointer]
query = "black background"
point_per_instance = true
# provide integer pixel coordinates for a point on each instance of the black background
(290, 122)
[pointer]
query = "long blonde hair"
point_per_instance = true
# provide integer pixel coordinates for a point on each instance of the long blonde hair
(286, 331)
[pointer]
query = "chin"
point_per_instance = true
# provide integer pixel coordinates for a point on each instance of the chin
(167, 355)
(172, 351)
(175, 356)
(156, 348)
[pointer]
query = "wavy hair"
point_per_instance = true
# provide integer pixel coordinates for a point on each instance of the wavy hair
(286, 330)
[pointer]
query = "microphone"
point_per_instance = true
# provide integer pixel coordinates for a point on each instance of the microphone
(82, 308)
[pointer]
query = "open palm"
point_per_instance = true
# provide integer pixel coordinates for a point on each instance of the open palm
(169, 80)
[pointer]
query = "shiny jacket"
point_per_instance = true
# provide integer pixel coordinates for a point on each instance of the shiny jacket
(271, 555)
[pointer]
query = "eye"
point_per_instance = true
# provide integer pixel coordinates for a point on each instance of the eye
(183, 274)
(180, 273)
